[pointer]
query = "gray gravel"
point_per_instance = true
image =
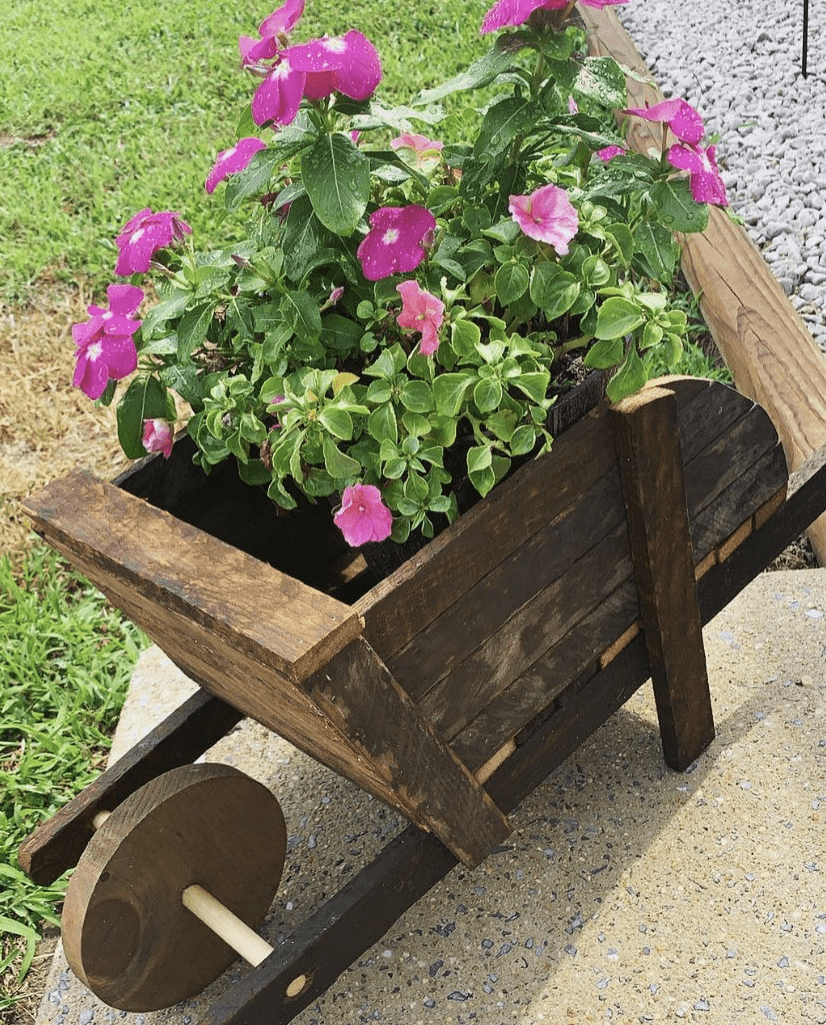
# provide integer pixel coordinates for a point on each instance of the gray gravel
(740, 65)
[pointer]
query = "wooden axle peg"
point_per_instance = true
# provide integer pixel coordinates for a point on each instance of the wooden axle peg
(172, 884)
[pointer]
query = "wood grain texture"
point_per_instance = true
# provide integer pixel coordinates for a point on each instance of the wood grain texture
(648, 452)
(771, 355)
(126, 932)
(182, 737)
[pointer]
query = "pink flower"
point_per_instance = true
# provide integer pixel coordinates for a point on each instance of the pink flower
(547, 216)
(278, 24)
(423, 312)
(347, 64)
(363, 516)
(515, 12)
(396, 240)
(703, 175)
(157, 437)
(681, 118)
(609, 152)
(418, 149)
(278, 97)
(144, 235)
(231, 161)
(105, 349)
(602, 3)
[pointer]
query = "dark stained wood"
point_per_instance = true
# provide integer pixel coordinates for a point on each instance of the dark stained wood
(648, 451)
(358, 694)
(181, 738)
(766, 345)
(126, 932)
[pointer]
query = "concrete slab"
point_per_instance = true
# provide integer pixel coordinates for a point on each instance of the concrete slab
(627, 892)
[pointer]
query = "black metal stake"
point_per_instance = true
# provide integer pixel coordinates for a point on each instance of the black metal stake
(804, 62)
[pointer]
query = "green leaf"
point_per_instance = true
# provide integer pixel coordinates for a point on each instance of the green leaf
(602, 79)
(534, 385)
(337, 422)
(623, 241)
(482, 72)
(658, 249)
(186, 382)
(254, 473)
(652, 334)
(487, 394)
(553, 290)
(449, 392)
(300, 311)
(417, 396)
(677, 208)
(629, 378)
(501, 124)
(605, 354)
(145, 399)
(304, 237)
(617, 317)
(523, 440)
(337, 464)
(164, 311)
(382, 425)
(192, 330)
(479, 458)
(337, 176)
(464, 337)
(511, 282)
(254, 180)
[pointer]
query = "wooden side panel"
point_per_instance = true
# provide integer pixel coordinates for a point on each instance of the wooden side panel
(766, 345)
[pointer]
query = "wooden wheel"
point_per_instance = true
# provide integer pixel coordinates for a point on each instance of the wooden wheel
(126, 932)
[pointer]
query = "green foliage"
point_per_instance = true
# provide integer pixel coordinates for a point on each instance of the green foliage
(65, 661)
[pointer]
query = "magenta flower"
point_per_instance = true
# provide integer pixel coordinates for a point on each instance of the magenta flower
(144, 235)
(272, 28)
(157, 437)
(547, 216)
(278, 97)
(423, 312)
(608, 153)
(418, 150)
(105, 349)
(681, 118)
(703, 175)
(363, 516)
(347, 64)
(231, 161)
(516, 12)
(396, 241)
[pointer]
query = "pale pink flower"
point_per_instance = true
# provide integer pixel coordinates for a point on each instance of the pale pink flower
(333, 298)
(573, 106)
(347, 64)
(231, 161)
(421, 311)
(703, 174)
(363, 516)
(157, 437)
(418, 149)
(272, 28)
(547, 216)
(278, 97)
(105, 349)
(396, 241)
(607, 153)
(681, 118)
(143, 235)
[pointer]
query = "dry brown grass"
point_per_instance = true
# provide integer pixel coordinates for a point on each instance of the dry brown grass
(47, 428)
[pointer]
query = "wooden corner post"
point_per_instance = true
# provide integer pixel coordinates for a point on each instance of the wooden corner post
(647, 442)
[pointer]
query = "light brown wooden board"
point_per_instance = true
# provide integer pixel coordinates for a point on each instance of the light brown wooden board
(766, 345)
(237, 628)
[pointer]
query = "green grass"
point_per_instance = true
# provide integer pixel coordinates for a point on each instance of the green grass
(66, 658)
(101, 116)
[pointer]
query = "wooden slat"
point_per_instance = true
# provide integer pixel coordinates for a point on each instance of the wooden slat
(359, 695)
(653, 486)
(766, 345)
(182, 737)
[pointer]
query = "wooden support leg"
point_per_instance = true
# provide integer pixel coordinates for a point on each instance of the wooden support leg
(651, 467)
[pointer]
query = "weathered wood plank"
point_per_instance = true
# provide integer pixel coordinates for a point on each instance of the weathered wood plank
(653, 486)
(771, 355)
(357, 693)
(181, 738)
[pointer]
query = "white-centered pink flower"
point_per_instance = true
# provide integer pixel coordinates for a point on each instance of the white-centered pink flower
(143, 235)
(607, 153)
(105, 349)
(231, 161)
(547, 216)
(704, 178)
(680, 116)
(510, 13)
(158, 437)
(397, 240)
(271, 30)
(277, 98)
(347, 64)
(421, 311)
(363, 516)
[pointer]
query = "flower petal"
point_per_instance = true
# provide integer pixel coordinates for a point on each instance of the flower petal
(231, 161)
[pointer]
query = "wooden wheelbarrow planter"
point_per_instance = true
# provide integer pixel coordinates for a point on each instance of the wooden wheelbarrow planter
(452, 688)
